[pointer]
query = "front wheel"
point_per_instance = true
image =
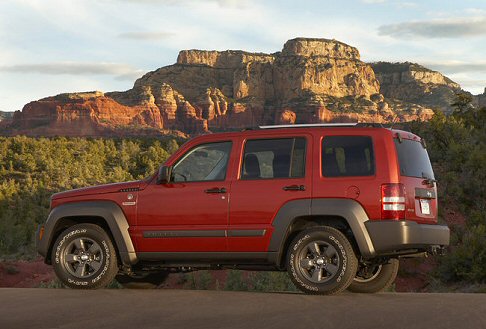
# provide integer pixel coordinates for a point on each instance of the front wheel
(375, 278)
(83, 257)
(321, 260)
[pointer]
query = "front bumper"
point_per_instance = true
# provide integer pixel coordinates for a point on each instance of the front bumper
(396, 237)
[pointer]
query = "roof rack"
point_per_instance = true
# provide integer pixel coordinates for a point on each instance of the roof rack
(307, 125)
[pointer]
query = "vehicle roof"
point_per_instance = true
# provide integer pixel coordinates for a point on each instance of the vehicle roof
(313, 129)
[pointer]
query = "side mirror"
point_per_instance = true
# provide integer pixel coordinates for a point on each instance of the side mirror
(163, 176)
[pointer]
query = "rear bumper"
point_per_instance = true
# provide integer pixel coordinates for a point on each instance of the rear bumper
(398, 237)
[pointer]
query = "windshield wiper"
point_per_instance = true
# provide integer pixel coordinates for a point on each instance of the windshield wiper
(428, 180)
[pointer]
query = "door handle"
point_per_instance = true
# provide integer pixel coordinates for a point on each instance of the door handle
(294, 188)
(215, 190)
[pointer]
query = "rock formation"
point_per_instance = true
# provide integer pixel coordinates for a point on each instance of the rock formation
(413, 83)
(89, 113)
(309, 81)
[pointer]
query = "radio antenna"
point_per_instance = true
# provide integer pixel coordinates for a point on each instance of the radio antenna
(394, 121)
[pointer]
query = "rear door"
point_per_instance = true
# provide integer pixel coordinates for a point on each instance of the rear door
(348, 169)
(272, 172)
(417, 176)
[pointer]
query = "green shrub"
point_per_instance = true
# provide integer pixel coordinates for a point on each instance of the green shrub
(467, 258)
(263, 281)
(235, 281)
(200, 280)
(271, 281)
(457, 148)
(32, 169)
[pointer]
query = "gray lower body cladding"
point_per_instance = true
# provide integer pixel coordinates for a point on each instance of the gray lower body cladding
(108, 211)
(390, 236)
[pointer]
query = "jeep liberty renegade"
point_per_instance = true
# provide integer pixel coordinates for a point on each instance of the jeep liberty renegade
(334, 205)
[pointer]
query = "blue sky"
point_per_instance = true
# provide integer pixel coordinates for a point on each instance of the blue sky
(49, 47)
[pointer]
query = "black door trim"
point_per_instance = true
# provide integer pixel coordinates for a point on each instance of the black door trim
(184, 234)
(206, 257)
(202, 233)
(246, 233)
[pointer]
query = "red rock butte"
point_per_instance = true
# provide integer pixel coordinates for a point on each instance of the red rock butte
(309, 81)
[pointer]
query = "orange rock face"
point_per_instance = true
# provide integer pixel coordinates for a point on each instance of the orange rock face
(309, 81)
(82, 114)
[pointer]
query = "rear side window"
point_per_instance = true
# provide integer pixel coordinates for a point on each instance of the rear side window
(274, 158)
(413, 159)
(347, 156)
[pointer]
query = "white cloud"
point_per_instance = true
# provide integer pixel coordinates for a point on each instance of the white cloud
(222, 3)
(147, 35)
(120, 71)
(438, 28)
(373, 1)
(457, 66)
(476, 85)
(475, 11)
(403, 4)
(469, 81)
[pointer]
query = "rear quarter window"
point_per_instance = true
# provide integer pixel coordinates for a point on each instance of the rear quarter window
(347, 156)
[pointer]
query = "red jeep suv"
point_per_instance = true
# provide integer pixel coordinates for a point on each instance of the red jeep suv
(334, 205)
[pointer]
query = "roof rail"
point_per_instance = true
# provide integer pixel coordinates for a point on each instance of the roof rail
(304, 125)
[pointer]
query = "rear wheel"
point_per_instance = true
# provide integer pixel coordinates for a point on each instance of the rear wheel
(321, 260)
(375, 277)
(142, 280)
(83, 257)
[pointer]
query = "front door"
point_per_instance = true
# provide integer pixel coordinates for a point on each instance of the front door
(190, 213)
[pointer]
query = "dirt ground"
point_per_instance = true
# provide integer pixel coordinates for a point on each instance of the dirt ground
(25, 274)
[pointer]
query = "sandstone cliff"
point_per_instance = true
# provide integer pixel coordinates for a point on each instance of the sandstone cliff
(309, 81)
(413, 83)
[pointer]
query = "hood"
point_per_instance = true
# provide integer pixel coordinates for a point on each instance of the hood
(101, 189)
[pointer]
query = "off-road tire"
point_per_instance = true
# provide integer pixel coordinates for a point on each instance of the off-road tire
(83, 257)
(326, 269)
(143, 280)
(382, 277)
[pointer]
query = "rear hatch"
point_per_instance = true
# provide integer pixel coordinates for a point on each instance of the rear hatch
(417, 176)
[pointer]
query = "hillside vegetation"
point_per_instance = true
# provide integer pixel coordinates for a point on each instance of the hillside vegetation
(31, 169)
(457, 148)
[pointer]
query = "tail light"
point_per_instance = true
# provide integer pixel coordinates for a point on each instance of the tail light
(392, 201)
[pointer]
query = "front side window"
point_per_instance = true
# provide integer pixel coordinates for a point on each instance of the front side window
(274, 158)
(207, 162)
(347, 156)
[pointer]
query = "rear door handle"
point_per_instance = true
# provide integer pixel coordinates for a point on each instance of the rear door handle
(294, 188)
(215, 190)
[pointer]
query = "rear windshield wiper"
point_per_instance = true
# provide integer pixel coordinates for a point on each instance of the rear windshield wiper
(424, 144)
(428, 180)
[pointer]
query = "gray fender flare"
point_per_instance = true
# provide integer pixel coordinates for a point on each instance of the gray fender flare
(108, 210)
(348, 209)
